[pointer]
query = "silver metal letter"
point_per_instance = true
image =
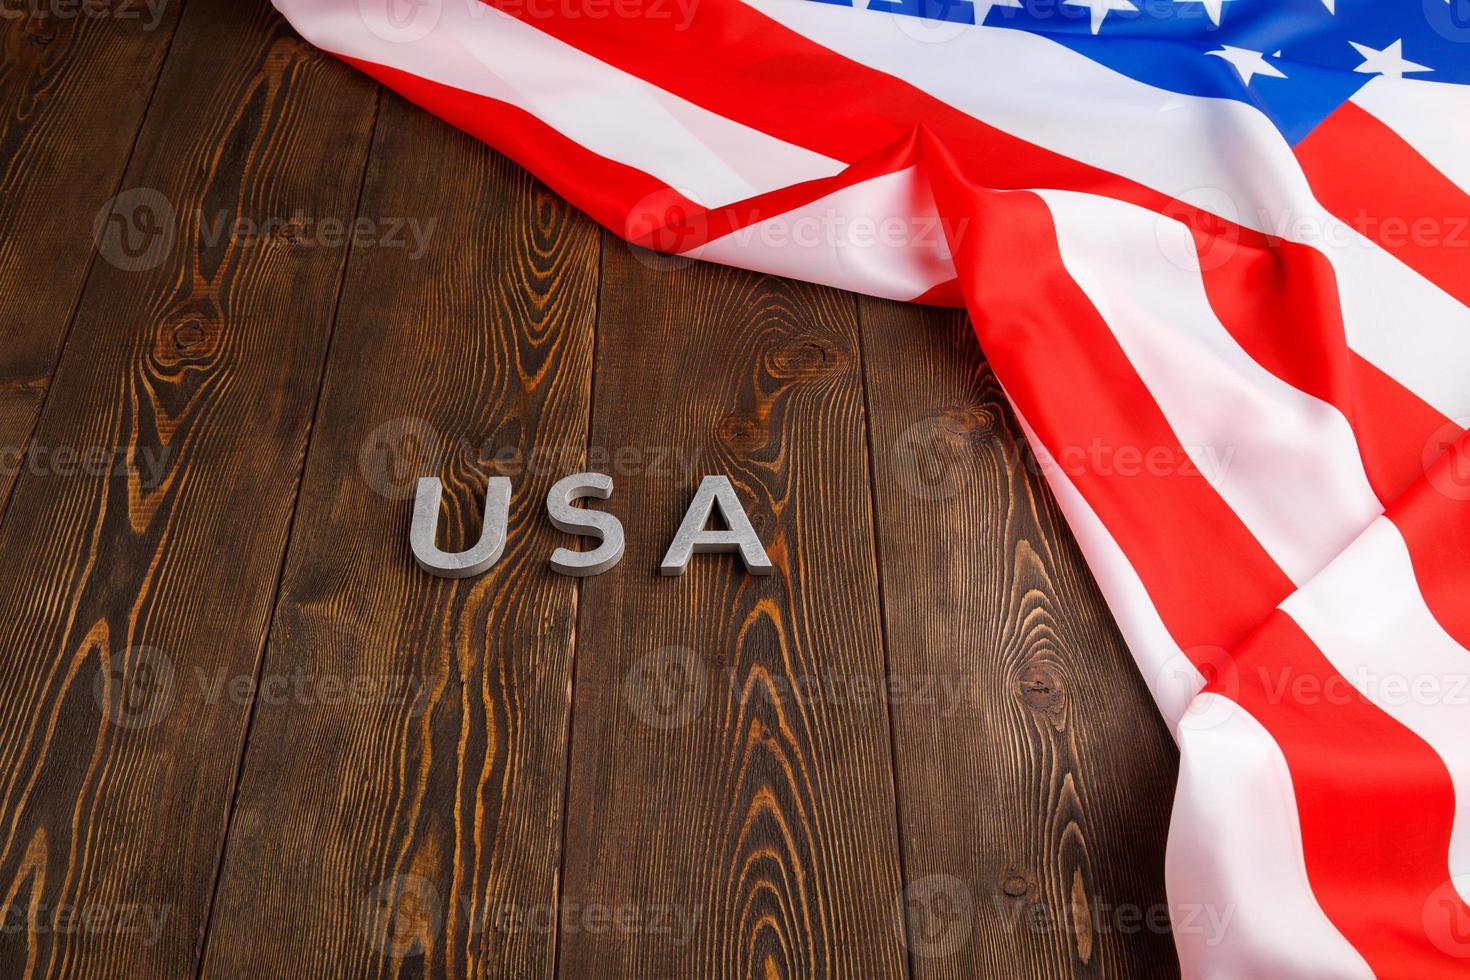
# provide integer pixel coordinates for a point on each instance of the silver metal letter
(577, 520)
(425, 531)
(715, 491)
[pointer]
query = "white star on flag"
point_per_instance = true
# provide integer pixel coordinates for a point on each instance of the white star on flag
(1389, 62)
(1212, 7)
(1247, 62)
(1100, 9)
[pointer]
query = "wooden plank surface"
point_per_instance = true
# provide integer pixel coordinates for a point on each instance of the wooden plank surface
(126, 596)
(1034, 773)
(62, 154)
(247, 734)
(416, 827)
(729, 815)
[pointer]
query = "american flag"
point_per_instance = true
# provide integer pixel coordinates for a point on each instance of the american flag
(1218, 254)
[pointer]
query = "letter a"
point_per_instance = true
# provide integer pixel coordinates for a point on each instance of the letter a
(715, 491)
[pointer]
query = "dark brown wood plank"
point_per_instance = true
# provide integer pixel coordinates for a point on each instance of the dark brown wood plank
(408, 830)
(1034, 776)
(73, 89)
(730, 812)
(126, 599)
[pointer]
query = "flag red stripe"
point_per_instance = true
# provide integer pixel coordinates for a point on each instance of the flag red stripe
(1393, 426)
(1375, 802)
(1367, 175)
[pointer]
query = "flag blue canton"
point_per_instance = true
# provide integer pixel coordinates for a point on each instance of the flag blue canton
(1296, 60)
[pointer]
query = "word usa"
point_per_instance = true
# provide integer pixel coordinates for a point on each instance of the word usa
(694, 534)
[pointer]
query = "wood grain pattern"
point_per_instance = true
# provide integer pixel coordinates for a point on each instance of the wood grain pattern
(1034, 783)
(128, 595)
(62, 154)
(416, 830)
(730, 814)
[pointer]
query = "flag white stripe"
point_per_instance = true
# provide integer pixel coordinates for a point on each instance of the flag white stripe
(1366, 614)
(1285, 462)
(476, 48)
(880, 236)
(1399, 321)
(1235, 856)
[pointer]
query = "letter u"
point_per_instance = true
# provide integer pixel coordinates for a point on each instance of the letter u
(425, 531)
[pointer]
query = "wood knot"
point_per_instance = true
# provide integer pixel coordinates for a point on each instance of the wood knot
(190, 334)
(547, 207)
(188, 337)
(962, 422)
(1042, 690)
(763, 522)
(741, 431)
(40, 38)
(806, 358)
(24, 389)
(1015, 886)
(287, 234)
